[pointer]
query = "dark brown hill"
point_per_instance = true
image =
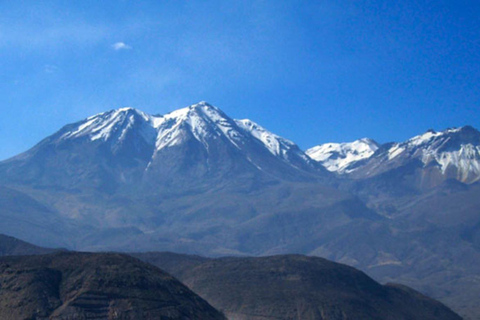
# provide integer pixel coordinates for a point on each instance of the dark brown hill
(296, 287)
(93, 286)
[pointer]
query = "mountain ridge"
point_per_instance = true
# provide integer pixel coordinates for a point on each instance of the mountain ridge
(451, 153)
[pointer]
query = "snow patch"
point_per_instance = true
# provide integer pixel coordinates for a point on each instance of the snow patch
(277, 145)
(339, 157)
(395, 151)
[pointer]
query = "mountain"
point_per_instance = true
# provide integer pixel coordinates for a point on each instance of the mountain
(197, 181)
(120, 149)
(295, 287)
(426, 187)
(343, 157)
(435, 156)
(398, 172)
(450, 154)
(193, 180)
(94, 286)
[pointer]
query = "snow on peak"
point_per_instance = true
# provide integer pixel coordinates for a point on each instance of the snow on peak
(455, 151)
(114, 123)
(429, 136)
(457, 148)
(340, 157)
(434, 142)
(201, 119)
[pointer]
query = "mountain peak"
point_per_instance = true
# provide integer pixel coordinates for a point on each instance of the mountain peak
(204, 106)
(452, 153)
(342, 157)
(118, 112)
(201, 120)
(110, 124)
(126, 109)
(469, 130)
(203, 103)
(202, 109)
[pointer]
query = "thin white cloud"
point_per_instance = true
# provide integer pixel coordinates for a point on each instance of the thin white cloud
(121, 46)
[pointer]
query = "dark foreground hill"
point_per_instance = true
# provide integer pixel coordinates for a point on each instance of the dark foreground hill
(65, 286)
(295, 287)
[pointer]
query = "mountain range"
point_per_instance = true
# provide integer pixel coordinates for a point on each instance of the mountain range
(197, 181)
(450, 154)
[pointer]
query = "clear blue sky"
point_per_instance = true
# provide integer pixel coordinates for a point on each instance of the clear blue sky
(311, 71)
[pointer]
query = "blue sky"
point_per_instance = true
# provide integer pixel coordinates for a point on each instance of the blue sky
(311, 71)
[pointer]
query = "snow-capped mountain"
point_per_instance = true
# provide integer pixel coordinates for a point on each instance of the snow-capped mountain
(185, 178)
(343, 157)
(128, 146)
(197, 181)
(207, 123)
(449, 154)
(203, 121)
